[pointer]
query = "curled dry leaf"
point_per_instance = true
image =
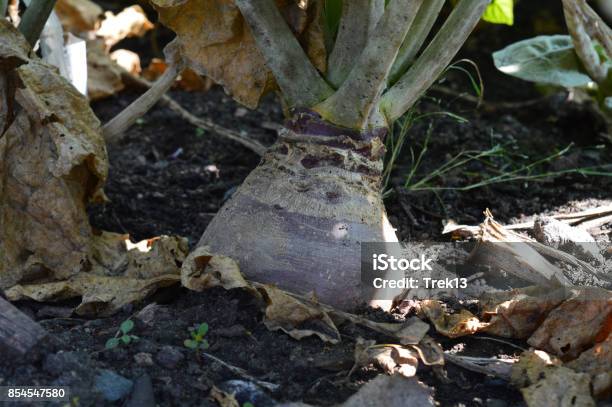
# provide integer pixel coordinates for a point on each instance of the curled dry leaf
(575, 324)
(120, 273)
(544, 382)
(103, 75)
(128, 60)
(217, 43)
(131, 22)
(560, 387)
(452, 325)
(296, 318)
(78, 16)
(53, 163)
(528, 370)
(202, 270)
(596, 361)
(390, 358)
(223, 398)
(519, 312)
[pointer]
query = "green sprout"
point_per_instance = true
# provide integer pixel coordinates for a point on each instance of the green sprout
(197, 340)
(248, 404)
(122, 336)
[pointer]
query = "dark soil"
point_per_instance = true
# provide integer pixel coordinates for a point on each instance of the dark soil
(167, 177)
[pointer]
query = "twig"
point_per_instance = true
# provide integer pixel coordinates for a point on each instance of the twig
(243, 373)
(114, 129)
(489, 106)
(488, 338)
(205, 124)
(489, 366)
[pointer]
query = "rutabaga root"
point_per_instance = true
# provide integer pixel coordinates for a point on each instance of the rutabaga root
(299, 218)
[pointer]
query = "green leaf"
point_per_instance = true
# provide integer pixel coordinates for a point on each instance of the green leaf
(546, 59)
(126, 339)
(112, 343)
(134, 337)
(203, 329)
(126, 326)
(204, 344)
(248, 404)
(500, 12)
(191, 344)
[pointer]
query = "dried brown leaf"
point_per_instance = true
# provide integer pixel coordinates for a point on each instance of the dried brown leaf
(103, 75)
(518, 313)
(452, 325)
(217, 43)
(596, 361)
(52, 164)
(78, 16)
(128, 60)
(389, 358)
(130, 22)
(530, 367)
(202, 270)
(560, 387)
(296, 318)
(120, 273)
(574, 325)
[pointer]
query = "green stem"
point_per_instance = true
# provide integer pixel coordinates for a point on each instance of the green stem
(359, 18)
(34, 19)
(416, 36)
(434, 59)
(297, 78)
(353, 104)
(3, 7)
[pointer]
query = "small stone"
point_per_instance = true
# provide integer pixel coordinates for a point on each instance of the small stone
(169, 357)
(496, 403)
(142, 396)
(143, 359)
(112, 386)
(57, 363)
(150, 313)
(241, 112)
(232, 331)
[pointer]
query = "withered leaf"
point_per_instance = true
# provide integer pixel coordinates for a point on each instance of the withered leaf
(573, 326)
(295, 317)
(452, 325)
(202, 270)
(389, 358)
(217, 43)
(78, 16)
(103, 75)
(121, 273)
(53, 162)
(596, 361)
(518, 313)
(130, 22)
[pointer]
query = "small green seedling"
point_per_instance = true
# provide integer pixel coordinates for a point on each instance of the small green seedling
(197, 340)
(122, 336)
(248, 404)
